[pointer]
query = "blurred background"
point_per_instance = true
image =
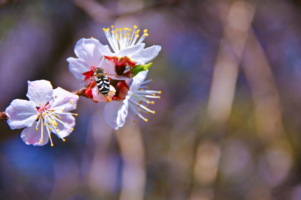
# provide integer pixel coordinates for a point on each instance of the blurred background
(227, 126)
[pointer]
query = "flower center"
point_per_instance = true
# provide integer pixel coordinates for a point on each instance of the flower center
(51, 120)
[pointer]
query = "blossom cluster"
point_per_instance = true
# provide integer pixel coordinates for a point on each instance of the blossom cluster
(115, 76)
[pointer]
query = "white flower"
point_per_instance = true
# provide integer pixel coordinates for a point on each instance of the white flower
(89, 53)
(116, 112)
(46, 111)
(127, 44)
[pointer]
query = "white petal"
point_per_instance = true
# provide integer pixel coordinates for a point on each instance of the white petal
(40, 92)
(105, 50)
(137, 81)
(63, 100)
(77, 67)
(32, 136)
(146, 55)
(66, 128)
(115, 113)
(97, 96)
(108, 66)
(131, 50)
(21, 113)
(89, 50)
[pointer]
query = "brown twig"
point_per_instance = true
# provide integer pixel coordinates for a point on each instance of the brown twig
(3, 116)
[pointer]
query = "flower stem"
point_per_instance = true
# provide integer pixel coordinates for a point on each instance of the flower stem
(3, 116)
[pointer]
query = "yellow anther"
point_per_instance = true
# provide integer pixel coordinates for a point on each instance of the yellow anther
(109, 100)
(154, 112)
(136, 115)
(137, 31)
(120, 30)
(145, 31)
(153, 102)
(64, 140)
(139, 110)
(147, 106)
(145, 34)
(104, 29)
(128, 33)
(146, 120)
(147, 112)
(125, 29)
(160, 92)
(91, 37)
(130, 38)
(159, 97)
(135, 26)
(41, 141)
(112, 26)
(137, 36)
(70, 101)
(140, 102)
(148, 102)
(50, 129)
(52, 145)
(117, 38)
(44, 124)
(40, 104)
(130, 29)
(141, 89)
(62, 110)
(152, 79)
(154, 94)
(76, 114)
(147, 87)
(37, 129)
(134, 121)
(72, 129)
(55, 96)
(55, 123)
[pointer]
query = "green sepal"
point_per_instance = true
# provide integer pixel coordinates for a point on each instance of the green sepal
(139, 68)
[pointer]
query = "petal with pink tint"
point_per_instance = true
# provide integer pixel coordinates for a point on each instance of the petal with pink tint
(115, 113)
(89, 50)
(65, 129)
(32, 136)
(63, 100)
(21, 113)
(108, 66)
(130, 50)
(77, 67)
(137, 81)
(146, 55)
(40, 92)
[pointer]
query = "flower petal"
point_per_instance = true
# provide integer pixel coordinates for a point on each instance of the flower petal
(63, 100)
(105, 50)
(137, 81)
(89, 50)
(66, 128)
(77, 67)
(32, 136)
(146, 55)
(40, 92)
(97, 96)
(108, 66)
(115, 113)
(21, 113)
(130, 50)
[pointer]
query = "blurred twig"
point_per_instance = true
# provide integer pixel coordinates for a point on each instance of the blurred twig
(100, 13)
(3, 116)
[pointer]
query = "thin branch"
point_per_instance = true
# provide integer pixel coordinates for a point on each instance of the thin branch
(3, 116)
